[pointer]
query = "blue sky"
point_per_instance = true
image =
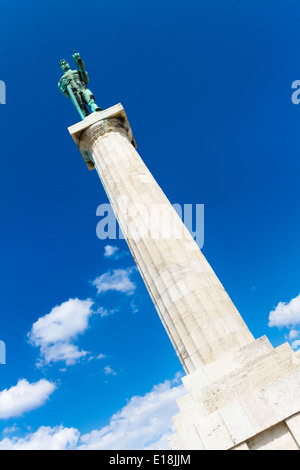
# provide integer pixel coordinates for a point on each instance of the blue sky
(206, 86)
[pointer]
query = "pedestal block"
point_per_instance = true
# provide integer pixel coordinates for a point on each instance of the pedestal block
(248, 400)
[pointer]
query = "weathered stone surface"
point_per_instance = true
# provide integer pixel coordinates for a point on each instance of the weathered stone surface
(276, 438)
(254, 392)
(293, 424)
(197, 313)
(242, 394)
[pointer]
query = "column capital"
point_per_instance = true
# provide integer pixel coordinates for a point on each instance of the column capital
(97, 124)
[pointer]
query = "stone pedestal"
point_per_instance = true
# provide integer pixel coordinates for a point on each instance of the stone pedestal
(247, 400)
(226, 368)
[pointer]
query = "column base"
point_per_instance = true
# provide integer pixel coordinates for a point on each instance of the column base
(246, 400)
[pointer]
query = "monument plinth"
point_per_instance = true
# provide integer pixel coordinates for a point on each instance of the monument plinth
(241, 393)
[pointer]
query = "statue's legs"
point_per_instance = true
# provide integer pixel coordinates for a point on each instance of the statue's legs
(81, 102)
(90, 100)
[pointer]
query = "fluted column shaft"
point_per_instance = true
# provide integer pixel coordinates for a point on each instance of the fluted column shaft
(196, 311)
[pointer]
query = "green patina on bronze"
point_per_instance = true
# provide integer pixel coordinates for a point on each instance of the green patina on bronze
(73, 84)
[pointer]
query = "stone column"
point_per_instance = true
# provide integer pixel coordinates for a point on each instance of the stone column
(196, 311)
(242, 394)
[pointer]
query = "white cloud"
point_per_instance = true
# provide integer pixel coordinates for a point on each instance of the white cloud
(45, 438)
(117, 280)
(10, 429)
(144, 423)
(63, 323)
(293, 334)
(114, 252)
(103, 312)
(134, 306)
(109, 371)
(24, 397)
(53, 333)
(67, 352)
(286, 314)
(296, 344)
(100, 356)
(110, 251)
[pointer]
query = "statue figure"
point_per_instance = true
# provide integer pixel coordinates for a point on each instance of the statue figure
(73, 84)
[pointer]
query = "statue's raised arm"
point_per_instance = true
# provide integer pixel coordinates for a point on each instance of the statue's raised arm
(73, 84)
(80, 66)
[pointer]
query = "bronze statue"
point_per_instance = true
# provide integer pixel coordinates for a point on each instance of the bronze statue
(73, 84)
